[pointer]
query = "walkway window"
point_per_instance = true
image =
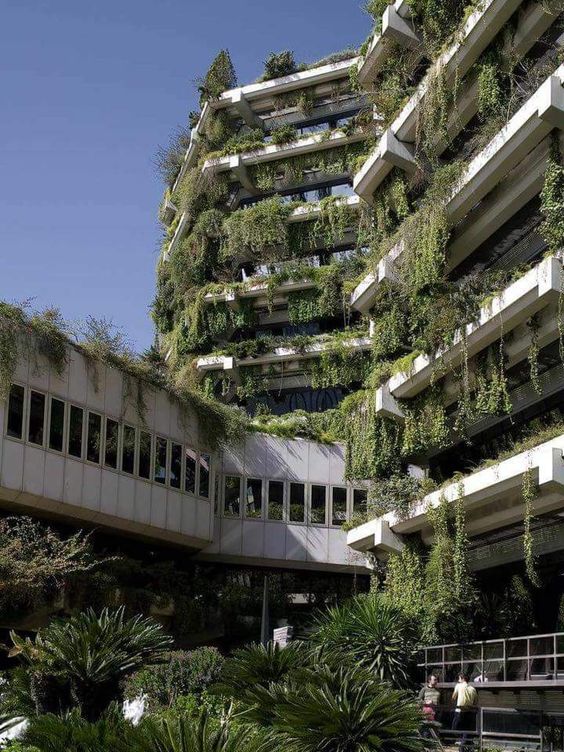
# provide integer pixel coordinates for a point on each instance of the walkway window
(75, 431)
(232, 496)
(145, 455)
(253, 498)
(16, 411)
(160, 461)
(318, 504)
(297, 502)
(190, 471)
(175, 465)
(338, 505)
(111, 446)
(128, 450)
(36, 418)
(94, 438)
(205, 460)
(275, 500)
(56, 424)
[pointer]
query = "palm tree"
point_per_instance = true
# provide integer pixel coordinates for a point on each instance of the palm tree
(80, 662)
(372, 632)
(341, 709)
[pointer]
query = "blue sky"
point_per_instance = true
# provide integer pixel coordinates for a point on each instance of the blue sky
(88, 91)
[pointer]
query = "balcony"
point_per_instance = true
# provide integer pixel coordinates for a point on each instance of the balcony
(509, 172)
(492, 499)
(397, 28)
(479, 30)
(536, 290)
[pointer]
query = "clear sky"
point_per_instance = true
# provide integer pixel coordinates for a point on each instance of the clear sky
(88, 90)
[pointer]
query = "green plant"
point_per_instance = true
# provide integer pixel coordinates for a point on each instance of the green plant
(219, 77)
(279, 64)
(552, 199)
(80, 662)
(371, 632)
(183, 673)
(72, 732)
(284, 134)
(529, 492)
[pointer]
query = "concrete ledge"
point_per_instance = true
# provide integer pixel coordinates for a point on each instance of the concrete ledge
(375, 535)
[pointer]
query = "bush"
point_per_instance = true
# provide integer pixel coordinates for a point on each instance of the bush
(279, 64)
(184, 673)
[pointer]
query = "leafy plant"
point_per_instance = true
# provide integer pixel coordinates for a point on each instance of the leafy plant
(219, 77)
(279, 64)
(84, 658)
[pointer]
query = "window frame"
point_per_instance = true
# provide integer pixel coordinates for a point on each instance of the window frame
(248, 478)
(31, 392)
(21, 438)
(310, 519)
(303, 521)
(64, 403)
(102, 417)
(331, 513)
(232, 516)
(134, 474)
(267, 500)
(83, 437)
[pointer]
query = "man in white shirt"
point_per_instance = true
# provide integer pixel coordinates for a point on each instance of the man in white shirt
(466, 699)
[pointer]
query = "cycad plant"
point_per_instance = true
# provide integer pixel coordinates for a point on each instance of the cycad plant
(73, 733)
(371, 632)
(79, 662)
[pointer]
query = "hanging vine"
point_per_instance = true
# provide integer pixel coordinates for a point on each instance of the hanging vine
(533, 353)
(529, 493)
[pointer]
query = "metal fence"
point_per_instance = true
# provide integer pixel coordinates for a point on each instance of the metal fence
(532, 659)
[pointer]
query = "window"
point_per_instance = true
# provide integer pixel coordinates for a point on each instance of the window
(190, 471)
(338, 506)
(359, 501)
(232, 496)
(160, 461)
(15, 412)
(36, 418)
(318, 504)
(111, 446)
(128, 450)
(175, 465)
(94, 438)
(56, 424)
(75, 431)
(145, 455)
(205, 475)
(297, 502)
(253, 498)
(275, 500)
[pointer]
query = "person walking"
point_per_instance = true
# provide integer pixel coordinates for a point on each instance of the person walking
(466, 698)
(429, 697)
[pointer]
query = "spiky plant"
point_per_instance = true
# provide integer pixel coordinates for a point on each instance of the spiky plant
(73, 733)
(371, 632)
(81, 661)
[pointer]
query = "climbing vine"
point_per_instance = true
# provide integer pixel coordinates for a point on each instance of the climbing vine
(529, 493)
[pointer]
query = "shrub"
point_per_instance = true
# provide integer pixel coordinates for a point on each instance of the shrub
(279, 64)
(184, 673)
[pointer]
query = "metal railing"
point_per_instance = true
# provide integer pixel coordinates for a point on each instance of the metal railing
(531, 659)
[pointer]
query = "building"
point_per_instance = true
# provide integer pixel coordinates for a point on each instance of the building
(375, 241)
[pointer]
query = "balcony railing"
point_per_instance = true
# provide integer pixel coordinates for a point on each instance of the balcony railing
(531, 660)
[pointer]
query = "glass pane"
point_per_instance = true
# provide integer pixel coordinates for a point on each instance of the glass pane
(205, 475)
(339, 506)
(453, 653)
(232, 496)
(318, 504)
(493, 650)
(175, 465)
(75, 431)
(160, 461)
(493, 670)
(36, 418)
(541, 645)
(253, 498)
(15, 412)
(145, 455)
(190, 471)
(542, 668)
(359, 501)
(517, 669)
(128, 450)
(560, 643)
(111, 449)
(434, 655)
(516, 648)
(297, 502)
(56, 425)
(275, 500)
(473, 651)
(93, 440)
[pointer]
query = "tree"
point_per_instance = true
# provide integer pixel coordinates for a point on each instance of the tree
(371, 632)
(79, 662)
(220, 77)
(279, 64)
(36, 563)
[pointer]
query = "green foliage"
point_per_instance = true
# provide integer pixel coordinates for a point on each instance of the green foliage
(404, 585)
(29, 335)
(339, 365)
(371, 632)
(169, 158)
(529, 493)
(220, 76)
(183, 673)
(79, 662)
(72, 732)
(279, 64)
(552, 199)
(490, 95)
(257, 231)
(425, 424)
(36, 563)
(284, 134)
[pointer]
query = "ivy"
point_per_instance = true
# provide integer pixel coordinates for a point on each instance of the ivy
(425, 424)
(533, 354)
(552, 199)
(492, 395)
(529, 493)
(404, 584)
